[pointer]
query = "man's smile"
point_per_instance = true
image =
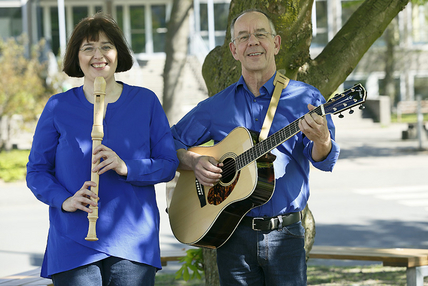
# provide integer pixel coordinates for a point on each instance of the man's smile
(255, 54)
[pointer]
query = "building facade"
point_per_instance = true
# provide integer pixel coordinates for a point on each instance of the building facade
(144, 23)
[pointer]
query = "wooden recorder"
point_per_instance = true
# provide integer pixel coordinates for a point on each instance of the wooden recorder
(97, 136)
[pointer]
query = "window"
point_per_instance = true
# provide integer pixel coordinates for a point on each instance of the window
(79, 13)
(138, 32)
(221, 13)
(119, 17)
(10, 22)
(382, 89)
(158, 27)
(320, 38)
(54, 30)
(421, 87)
(419, 24)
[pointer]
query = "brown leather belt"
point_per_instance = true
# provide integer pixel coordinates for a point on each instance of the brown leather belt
(271, 223)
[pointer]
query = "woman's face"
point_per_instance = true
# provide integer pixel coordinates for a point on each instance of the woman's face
(98, 58)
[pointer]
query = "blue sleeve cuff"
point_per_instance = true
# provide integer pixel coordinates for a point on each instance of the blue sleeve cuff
(328, 163)
(178, 145)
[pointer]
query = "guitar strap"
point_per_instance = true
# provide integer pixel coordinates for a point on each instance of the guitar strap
(280, 82)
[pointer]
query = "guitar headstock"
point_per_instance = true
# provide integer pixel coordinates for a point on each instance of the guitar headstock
(351, 97)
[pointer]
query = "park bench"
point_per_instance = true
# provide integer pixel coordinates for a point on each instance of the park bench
(415, 260)
(411, 107)
(26, 278)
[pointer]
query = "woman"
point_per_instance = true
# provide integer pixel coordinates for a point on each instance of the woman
(137, 152)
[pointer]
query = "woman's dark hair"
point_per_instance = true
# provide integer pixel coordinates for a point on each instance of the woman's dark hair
(89, 29)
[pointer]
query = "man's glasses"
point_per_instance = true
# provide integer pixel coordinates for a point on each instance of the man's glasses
(90, 50)
(245, 37)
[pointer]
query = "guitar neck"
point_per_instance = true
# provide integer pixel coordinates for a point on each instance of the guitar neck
(273, 141)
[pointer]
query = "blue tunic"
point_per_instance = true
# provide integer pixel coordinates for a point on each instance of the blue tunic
(215, 117)
(136, 128)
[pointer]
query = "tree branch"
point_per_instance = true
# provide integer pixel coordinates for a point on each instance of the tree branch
(341, 55)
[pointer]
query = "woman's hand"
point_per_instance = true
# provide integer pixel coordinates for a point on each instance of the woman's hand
(111, 161)
(81, 199)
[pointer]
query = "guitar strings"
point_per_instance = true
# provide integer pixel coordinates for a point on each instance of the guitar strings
(277, 138)
(260, 148)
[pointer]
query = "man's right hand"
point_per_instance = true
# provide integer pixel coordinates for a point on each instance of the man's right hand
(207, 170)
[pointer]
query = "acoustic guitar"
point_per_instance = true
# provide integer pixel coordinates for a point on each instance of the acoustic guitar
(208, 216)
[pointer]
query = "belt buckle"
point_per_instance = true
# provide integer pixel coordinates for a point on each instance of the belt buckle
(253, 223)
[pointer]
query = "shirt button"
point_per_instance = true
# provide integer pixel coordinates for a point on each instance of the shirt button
(255, 100)
(257, 119)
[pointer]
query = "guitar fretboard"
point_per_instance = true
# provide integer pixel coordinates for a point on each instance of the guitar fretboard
(272, 141)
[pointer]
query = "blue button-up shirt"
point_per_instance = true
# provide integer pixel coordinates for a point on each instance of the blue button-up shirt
(215, 117)
(136, 128)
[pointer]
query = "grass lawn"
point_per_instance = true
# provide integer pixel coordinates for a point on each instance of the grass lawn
(328, 275)
(13, 165)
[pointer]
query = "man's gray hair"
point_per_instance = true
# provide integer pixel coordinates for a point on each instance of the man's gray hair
(232, 25)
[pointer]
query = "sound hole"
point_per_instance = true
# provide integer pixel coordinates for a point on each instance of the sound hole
(218, 193)
(229, 169)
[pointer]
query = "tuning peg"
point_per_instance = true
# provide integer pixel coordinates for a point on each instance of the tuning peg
(351, 111)
(341, 115)
(361, 107)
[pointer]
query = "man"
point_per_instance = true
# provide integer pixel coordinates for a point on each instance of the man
(272, 253)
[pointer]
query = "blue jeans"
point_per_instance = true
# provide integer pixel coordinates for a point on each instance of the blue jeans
(265, 258)
(110, 271)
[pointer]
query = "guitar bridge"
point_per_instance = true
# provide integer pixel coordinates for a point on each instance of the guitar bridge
(201, 193)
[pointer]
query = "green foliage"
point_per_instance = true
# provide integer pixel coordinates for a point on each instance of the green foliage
(356, 275)
(408, 118)
(193, 261)
(327, 275)
(163, 279)
(13, 165)
(419, 2)
(23, 88)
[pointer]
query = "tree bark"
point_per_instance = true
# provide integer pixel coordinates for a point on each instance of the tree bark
(176, 47)
(210, 267)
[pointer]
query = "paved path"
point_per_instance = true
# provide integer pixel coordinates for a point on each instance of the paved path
(375, 197)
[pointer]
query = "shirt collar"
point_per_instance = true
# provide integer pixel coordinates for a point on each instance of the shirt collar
(266, 89)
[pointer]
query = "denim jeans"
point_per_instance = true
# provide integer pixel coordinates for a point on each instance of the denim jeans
(268, 258)
(110, 271)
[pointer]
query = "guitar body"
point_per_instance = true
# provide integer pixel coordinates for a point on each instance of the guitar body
(207, 216)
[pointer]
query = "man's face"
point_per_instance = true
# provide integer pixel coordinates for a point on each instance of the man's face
(254, 45)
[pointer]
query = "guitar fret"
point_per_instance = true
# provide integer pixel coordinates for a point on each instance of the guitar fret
(271, 142)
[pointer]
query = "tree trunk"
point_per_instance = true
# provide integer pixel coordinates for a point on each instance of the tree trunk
(176, 47)
(5, 138)
(389, 81)
(210, 267)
